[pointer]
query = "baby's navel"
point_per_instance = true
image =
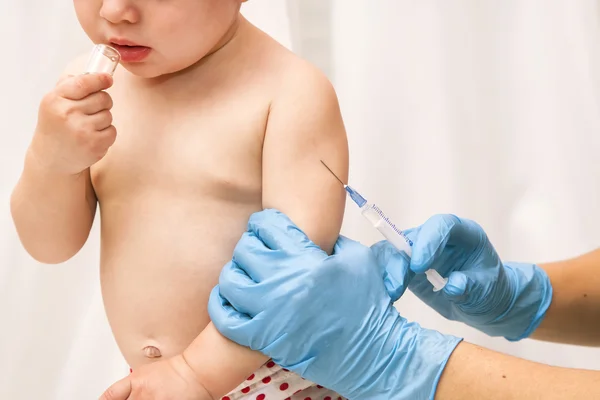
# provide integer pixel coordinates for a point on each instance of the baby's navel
(152, 352)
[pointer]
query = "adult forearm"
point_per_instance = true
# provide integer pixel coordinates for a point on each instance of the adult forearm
(53, 214)
(573, 316)
(476, 373)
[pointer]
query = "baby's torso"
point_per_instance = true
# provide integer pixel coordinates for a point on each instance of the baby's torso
(175, 193)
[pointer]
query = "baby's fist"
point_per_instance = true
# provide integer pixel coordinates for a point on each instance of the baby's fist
(74, 129)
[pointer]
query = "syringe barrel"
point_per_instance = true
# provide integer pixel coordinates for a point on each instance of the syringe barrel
(398, 240)
(394, 238)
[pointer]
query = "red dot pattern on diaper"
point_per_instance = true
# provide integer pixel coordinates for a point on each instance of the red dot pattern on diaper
(273, 382)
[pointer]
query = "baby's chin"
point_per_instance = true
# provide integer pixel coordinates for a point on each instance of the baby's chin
(147, 70)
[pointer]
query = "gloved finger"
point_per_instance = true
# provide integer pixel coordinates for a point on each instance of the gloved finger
(396, 264)
(411, 233)
(255, 259)
(456, 286)
(431, 241)
(349, 253)
(228, 321)
(278, 232)
(240, 290)
(464, 288)
(345, 245)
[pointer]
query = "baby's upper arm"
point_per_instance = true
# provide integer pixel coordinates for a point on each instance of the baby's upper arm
(305, 126)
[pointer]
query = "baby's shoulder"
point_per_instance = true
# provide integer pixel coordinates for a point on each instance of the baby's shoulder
(297, 80)
(302, 96)
(285, 71)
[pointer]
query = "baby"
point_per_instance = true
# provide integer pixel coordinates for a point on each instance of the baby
(208, 120)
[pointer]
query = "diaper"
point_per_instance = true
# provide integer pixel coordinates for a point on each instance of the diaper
(271, 382)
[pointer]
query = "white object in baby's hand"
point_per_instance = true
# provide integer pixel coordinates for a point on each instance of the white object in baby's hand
(104, 59)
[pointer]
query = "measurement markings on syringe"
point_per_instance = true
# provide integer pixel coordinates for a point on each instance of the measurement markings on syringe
(390, 223)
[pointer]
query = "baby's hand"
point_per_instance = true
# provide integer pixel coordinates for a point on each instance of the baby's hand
(74, 129)
(170, 379)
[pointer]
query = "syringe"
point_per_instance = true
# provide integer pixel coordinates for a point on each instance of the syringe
(387, 228)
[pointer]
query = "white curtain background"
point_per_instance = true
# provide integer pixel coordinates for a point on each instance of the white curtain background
(486, 109)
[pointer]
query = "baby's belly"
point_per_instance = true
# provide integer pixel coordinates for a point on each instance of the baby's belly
(160, 259)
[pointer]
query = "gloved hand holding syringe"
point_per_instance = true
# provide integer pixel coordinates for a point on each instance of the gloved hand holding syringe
(394, 235)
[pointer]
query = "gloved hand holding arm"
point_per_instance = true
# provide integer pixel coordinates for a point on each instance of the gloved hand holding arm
(327, 318)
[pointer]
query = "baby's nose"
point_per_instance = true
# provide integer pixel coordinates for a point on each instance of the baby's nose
(118, 11)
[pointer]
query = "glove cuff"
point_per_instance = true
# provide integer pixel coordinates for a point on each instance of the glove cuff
(417, 365)
(453, 342)
(533, 295)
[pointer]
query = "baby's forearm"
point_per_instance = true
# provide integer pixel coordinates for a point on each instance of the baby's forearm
(219, 363)
(53, 214)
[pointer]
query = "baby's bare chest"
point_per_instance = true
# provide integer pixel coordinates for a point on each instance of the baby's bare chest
(205, 149)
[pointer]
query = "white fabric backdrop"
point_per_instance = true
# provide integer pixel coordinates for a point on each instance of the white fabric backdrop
(481, 108)
(484, 109)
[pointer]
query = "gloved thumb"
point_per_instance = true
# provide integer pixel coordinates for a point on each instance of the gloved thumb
(458, 287)
(228, 321)
(343, 244)
(431, 240)
(397, 273)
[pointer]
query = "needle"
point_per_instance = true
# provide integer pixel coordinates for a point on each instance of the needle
(333, 173)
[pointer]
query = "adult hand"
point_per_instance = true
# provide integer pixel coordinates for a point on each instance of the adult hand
(170, 379)
(499, 299)
(328, 318)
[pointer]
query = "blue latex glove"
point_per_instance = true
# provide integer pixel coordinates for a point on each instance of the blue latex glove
(327, 318)
(499, 299)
